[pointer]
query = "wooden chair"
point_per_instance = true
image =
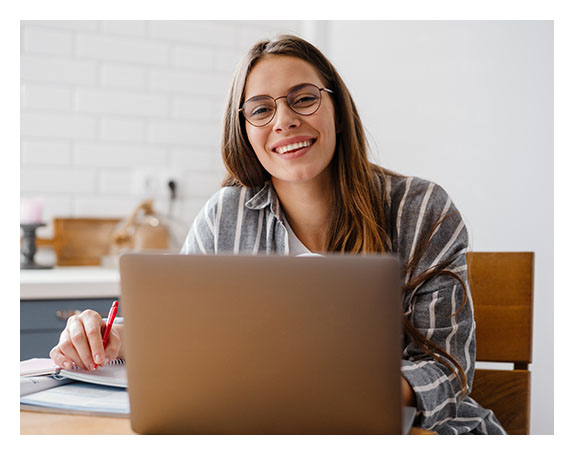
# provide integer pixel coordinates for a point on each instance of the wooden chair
(501, 285)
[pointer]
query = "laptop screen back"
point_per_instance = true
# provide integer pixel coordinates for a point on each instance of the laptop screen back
(262, 344)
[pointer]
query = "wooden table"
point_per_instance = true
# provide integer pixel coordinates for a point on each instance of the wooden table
(52, 423)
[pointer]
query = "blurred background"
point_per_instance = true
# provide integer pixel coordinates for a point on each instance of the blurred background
(114, 113)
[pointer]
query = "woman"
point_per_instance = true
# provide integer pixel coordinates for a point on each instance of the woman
(299, 181)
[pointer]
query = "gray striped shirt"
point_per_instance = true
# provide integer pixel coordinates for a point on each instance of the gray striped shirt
(241, 220)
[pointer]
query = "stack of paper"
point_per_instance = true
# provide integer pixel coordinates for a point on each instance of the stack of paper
(43, 387)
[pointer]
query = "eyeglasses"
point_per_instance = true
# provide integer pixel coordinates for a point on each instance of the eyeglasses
(304, 99)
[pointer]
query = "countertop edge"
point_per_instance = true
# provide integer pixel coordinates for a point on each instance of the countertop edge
(71, 283)
(70, 291)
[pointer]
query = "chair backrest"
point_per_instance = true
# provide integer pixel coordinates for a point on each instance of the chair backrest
(501, 285)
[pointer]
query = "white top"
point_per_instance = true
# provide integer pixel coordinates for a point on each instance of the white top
(296, 247)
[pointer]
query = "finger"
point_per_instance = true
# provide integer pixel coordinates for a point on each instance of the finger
(67, 348)
(60, 359)
(93, 328)
(113, 347)
(80, 342)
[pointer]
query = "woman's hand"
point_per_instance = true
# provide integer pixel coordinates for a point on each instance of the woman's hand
(81, 342)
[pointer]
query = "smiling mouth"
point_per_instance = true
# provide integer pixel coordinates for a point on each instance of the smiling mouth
(294, 147)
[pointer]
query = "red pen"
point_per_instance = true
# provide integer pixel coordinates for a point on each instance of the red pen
(111, 317)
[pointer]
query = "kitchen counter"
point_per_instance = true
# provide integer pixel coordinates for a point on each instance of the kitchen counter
(69, 283)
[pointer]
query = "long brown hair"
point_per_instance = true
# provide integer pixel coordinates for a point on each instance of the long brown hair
(357, 223)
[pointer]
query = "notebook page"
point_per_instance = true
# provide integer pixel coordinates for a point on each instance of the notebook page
(38, 383)
(82, 397)
(37, 367)
(113, 374)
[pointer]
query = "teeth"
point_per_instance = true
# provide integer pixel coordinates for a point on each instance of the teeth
(295, 145)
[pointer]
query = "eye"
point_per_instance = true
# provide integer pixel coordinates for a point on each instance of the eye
(261, 111)
(305, 100)
(259, 107)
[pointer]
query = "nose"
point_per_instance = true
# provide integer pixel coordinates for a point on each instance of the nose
(285, 118)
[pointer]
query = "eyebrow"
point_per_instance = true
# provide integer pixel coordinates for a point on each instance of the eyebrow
(288, 90)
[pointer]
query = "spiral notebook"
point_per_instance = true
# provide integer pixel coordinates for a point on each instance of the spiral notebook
(76, 391)
(113, 374)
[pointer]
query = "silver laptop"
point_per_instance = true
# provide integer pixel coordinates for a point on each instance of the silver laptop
(263, 344)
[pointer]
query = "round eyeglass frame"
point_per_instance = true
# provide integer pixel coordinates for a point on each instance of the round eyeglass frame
(241, 109)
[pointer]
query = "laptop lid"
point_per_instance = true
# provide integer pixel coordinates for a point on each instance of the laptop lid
(262, 344)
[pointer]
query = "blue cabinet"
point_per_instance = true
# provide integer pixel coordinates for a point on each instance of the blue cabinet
(42, 321)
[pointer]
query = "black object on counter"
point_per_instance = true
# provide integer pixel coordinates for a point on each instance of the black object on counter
(28, 248)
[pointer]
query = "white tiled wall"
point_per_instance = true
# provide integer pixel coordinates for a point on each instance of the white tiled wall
(101, 100)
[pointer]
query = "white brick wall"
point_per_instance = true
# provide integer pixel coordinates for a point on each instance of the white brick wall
(102, 100)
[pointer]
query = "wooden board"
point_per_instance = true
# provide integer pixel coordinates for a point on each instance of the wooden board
(501, 287)
(507, 393)
(82, 241)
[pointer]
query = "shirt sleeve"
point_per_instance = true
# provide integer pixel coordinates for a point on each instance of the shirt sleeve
(435, 306)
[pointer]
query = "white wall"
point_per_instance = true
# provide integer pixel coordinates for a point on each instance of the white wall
(102, 100)
(469, 105)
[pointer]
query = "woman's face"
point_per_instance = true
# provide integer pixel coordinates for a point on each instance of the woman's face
(274, 76)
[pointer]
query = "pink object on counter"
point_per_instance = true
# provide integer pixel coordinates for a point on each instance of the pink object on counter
(31, 210)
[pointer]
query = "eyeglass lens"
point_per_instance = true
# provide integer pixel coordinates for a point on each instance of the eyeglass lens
(304, 100)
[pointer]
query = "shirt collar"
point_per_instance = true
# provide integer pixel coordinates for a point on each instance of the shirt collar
(265, 197)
